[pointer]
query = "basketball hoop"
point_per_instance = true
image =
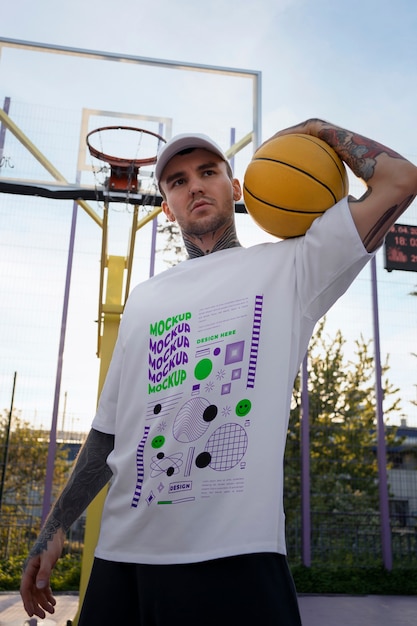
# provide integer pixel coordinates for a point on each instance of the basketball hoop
(132, 141)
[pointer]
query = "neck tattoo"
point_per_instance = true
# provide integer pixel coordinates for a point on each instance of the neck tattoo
(227, 240)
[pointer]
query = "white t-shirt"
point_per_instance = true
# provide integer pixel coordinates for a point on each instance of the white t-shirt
(198, 395)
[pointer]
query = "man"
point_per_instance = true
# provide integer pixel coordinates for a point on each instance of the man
(192, 420)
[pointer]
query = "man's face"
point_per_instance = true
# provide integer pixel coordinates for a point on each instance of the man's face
(199, 194)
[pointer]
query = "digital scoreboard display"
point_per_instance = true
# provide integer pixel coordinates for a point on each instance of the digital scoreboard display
(401, 248)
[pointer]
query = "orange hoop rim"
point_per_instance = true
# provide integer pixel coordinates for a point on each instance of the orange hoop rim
(119, 161)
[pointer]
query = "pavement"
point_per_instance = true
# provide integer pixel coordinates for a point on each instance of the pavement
(344, 610)
(12, 612)
(316, 610)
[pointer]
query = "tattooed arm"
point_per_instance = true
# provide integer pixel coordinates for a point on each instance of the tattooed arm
(391, 180)
(90, 474)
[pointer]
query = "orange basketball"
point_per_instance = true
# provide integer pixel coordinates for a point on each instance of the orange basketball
(292, 180)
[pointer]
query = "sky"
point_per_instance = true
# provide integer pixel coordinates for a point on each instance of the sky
(350, 63)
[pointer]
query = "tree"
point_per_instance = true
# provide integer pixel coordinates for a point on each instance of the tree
(173, 249)
(343, 463)
(25, 475)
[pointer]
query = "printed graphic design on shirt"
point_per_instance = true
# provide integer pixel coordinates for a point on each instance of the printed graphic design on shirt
(202, 377)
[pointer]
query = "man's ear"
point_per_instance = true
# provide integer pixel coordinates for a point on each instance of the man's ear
(169, 214)
(237, 190)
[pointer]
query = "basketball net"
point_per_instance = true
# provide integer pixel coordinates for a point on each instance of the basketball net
(119, 175)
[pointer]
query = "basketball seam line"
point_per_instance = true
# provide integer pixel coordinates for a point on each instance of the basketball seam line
(298, 169)
(329, 154)
(281, 208)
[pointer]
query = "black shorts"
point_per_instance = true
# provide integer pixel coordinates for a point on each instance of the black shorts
(245, 590)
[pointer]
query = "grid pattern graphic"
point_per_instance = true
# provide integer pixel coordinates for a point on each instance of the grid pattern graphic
(227, 446)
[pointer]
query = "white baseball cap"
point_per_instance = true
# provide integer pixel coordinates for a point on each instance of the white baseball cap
(184, 142)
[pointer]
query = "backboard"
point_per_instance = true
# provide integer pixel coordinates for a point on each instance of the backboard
(63, 93)
(51, 97)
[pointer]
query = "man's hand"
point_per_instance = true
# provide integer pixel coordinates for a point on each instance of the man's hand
(309, 127)
(88, 477)
(35, 586)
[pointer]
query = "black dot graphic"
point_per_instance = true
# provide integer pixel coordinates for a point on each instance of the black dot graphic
(157, 409)
(203, 459)
(210, 413)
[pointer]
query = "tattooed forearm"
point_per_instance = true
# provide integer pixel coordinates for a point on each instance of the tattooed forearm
(376, 235)
(50, 528)
(358, 152)
(90, 474)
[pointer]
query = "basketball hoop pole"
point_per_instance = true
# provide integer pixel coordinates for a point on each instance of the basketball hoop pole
(109, 317)
(111, 312)
(131, 249)
(115, 305)
(123, 179)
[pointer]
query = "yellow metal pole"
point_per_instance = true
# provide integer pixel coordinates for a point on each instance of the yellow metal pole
(112, 311)
(132, 239)
(103, 265)
(148, 218)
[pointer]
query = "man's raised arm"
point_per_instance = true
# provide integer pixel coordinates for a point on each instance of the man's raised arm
(391, 179)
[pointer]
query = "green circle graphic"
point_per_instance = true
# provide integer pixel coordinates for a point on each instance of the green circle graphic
(203, 369)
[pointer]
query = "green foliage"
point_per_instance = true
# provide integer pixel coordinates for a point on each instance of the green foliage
(342, 413)
(65, 576)
(10, 572)
(354, 580)
(26, 463)
(349, 580)
(344, 499)
(413, 354)
(25, 458)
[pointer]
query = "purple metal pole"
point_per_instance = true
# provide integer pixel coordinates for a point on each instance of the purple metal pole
(154, 226)
(232, 142)
(381, 447)
(305, 466)
(153, 247)
(52, 437)
(6, 443)
(6, 107)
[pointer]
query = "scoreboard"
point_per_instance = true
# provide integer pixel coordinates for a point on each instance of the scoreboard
(401, 248)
